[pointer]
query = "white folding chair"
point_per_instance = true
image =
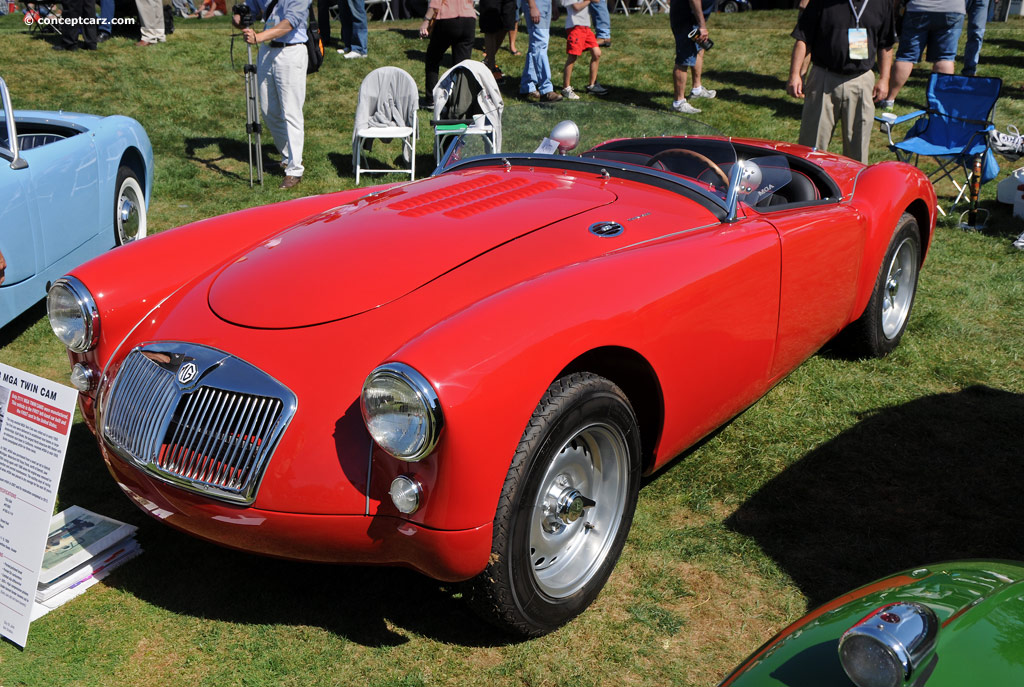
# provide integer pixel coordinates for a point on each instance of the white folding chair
(388, 16)
(386, 109)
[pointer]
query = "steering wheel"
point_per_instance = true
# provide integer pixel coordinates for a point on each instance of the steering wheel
(673, 152)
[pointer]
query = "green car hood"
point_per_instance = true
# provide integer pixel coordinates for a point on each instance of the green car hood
(980, 607)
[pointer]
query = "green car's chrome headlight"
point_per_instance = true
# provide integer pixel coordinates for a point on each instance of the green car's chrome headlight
(73, 314)
(402, 411)
(885, 648)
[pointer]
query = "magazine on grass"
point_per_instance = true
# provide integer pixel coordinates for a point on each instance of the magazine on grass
(76, 536)
(39, 609)
(107, 560)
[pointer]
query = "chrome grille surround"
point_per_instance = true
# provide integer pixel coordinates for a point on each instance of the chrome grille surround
(211, 434)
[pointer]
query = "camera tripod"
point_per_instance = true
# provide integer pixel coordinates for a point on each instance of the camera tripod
(252, 116)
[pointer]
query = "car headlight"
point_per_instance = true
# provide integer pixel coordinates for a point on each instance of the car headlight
(73, 314)
(402, 411)
(883, 649)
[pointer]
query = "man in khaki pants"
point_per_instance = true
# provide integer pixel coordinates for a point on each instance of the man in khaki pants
(845, 39)
(151, 16)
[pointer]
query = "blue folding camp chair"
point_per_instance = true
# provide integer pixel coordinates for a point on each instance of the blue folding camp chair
(953, 130)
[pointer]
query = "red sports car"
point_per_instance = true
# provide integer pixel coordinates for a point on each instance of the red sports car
(468, 374)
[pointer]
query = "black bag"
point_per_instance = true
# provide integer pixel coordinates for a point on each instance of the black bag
(168, 20)
(314, 45)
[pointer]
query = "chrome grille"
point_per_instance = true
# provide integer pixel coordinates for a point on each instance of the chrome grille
(213, 435)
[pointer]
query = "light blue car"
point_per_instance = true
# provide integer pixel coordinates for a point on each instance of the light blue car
(71, 187)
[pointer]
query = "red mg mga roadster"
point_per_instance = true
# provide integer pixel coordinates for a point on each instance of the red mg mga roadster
(468, 374)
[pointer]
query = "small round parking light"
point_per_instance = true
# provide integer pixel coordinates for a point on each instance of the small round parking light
(83, 378)
(405, 494)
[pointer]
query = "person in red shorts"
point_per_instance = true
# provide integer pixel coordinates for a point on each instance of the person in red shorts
(579, 39)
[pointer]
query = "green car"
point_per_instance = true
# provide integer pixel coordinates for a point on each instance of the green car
(946, 625)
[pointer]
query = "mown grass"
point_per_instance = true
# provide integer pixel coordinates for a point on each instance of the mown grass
(844, 472)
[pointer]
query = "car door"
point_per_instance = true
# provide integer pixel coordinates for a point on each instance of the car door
(822, 249)
(19, 239)
(64, 182)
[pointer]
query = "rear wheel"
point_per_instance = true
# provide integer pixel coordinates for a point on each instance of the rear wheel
(565, 508)
(880, 328)
(129, 207)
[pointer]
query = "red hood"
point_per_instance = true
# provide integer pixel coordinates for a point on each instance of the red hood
(371, 251)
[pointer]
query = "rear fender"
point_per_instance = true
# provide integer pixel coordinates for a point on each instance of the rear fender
(883, 192)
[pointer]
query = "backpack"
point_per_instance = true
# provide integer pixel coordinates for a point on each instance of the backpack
(314, 44)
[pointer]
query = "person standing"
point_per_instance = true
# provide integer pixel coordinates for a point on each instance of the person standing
(977, 16)
(354, 31)
(535, 84)
(281, 76)
(454, 26)
(497, 17)
(689, 17)
(602, 22)
(936, 24)
(79, 17)
(846, 40)
(151, 16)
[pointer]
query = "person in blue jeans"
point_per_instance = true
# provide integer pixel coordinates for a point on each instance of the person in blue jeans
(602, 22)
(977, 16)
(932, 24)
(353, 28)
(535, 84)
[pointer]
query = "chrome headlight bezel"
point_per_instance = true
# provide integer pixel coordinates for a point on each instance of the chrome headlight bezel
(75, 291)
(903, 634)
(427, 431)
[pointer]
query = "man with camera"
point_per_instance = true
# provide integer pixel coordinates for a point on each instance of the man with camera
(846, 39)
(280, 72)
(690, 29)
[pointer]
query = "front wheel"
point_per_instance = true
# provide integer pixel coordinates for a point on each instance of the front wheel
(129, 207)
(565, 508)
(880, 328)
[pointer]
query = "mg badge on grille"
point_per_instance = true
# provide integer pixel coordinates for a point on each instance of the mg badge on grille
(186, 373)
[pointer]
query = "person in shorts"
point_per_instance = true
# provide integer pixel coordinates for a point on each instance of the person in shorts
(579, 39)
(931, 24)
(687, 16)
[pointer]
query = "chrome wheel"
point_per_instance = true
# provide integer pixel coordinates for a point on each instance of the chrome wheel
(578, 509)
(129, 209)
(898, 294)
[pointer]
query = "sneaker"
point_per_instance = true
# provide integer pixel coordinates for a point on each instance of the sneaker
(702, 92)
(1010, 145)
(597, 89)
(569, 94)
(551, 97)
(685, 107)
(353, 55)
(1019, 243)
(532, 96)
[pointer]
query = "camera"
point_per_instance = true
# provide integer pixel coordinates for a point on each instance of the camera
(244, 15)
(705, 44)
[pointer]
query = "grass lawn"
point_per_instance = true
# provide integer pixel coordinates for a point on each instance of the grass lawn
(844, 472)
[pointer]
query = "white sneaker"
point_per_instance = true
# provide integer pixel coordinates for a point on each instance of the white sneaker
(353, 55)
(569, 94)
(1010, 145)
(685, 108)
(1019, 243)
(702, 92)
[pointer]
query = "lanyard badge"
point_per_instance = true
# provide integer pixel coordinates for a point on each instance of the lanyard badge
(857, 38)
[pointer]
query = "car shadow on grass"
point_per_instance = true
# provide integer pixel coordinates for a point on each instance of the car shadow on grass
(934, 479)
(370, 606)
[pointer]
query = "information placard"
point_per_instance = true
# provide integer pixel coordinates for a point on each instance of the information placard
(35, 423)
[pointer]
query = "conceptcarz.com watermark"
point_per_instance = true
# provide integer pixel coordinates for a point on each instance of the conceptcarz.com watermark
(59, 22)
